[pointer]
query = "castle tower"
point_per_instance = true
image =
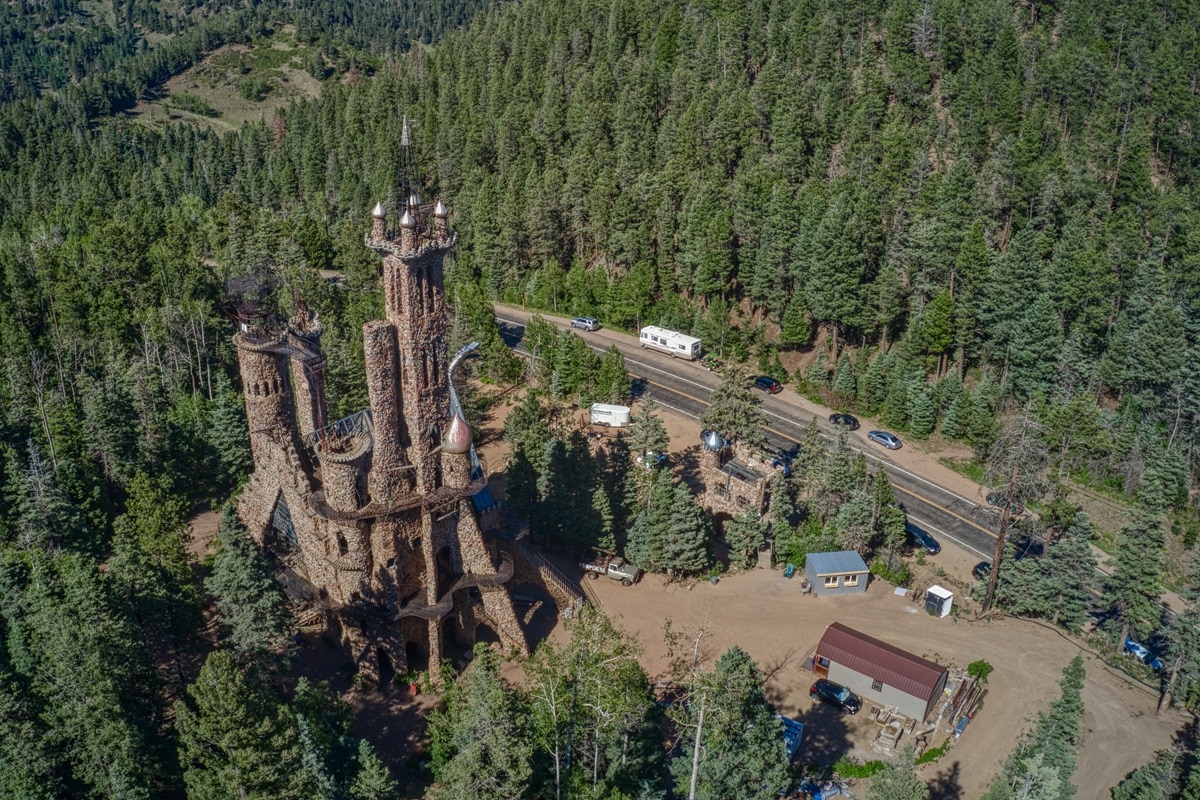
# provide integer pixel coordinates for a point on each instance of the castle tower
(372, 517)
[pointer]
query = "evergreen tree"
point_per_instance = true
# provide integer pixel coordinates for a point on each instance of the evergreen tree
(741, 741)
(236, 739)
(612, 379)
(29, 765)
(898, 780)
(735, 409)
(646, 545)
(647, 434)
(745, 534)
(1042, 764)
(1183, 644)
(687, 538)
(1158, 780)
(1135, 584)
(481, 743)
(372, 781)
(248, 599)
(923, 414)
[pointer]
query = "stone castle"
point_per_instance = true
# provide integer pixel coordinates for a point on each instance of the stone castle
(371, 521)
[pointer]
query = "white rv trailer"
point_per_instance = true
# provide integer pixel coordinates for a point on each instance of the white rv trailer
(677, 344)
(610, 416)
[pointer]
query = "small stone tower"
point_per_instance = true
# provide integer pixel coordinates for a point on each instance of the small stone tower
(370, 520)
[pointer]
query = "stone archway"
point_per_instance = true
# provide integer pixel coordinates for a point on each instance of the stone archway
(416, 656)
(486, 634)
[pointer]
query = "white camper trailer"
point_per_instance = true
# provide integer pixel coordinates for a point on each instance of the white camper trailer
(677, 344)
(610, 416)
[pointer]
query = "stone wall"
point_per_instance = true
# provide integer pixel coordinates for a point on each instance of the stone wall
(384, 539)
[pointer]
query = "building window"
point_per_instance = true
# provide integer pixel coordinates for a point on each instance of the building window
(831, 581)
(850, 580)
(877, 686)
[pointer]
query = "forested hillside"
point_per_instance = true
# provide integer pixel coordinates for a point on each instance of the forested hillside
(941, 209)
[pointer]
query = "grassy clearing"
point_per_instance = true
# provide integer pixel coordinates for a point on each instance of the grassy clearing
(237, 84)
(972, 468)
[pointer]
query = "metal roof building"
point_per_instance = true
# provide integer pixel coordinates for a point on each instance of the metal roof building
(843, 572)
(881, 673)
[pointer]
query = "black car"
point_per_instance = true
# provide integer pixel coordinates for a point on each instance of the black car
(921, 538)
(982, 571)
(847, 421)
(836, 695)
(768, 384)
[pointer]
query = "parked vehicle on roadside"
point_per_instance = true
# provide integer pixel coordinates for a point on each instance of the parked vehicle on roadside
(768, 384)
(889, 440)
(982, 571)
(673, 343)
(585, 323)
(835, 695)
(921, 538)
(847, 421)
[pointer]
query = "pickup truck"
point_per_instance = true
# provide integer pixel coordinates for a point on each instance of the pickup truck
(612, 566)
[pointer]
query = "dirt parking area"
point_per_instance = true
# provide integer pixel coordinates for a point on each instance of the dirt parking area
(767, 615)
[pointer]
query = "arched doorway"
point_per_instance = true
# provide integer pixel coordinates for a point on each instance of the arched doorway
(418, 660)
(484, 633)
(387, 672)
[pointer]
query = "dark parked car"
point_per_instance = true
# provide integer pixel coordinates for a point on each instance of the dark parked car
(921, 538)
(996, 500)
(836, 695)
(982, 571)
(768, 384)
(847, 421)
(587, 323)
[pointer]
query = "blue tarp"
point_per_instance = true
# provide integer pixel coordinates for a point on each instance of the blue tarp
(793, 735)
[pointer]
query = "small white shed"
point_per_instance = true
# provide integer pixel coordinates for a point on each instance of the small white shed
(939, 600)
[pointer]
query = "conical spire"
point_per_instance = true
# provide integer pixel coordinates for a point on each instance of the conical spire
(458, 436)
(405, 133)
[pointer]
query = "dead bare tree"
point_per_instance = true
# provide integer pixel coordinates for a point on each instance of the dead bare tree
(1016, 473)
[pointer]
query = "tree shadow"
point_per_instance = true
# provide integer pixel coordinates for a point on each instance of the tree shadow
(688, 470)
(826, 736)
(945, 785)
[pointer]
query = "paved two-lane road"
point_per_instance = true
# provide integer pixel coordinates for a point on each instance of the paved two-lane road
(683, 387)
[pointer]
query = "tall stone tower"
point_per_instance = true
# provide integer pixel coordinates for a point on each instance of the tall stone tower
(370, 520)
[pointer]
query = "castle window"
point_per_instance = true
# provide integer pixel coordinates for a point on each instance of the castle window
(342, 547)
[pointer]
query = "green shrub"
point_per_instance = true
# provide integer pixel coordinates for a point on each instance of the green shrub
(849, 769)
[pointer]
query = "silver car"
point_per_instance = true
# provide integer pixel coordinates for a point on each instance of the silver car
(587, 323)
(889, 440)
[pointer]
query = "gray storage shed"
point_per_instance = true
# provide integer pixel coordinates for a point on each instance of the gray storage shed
(879, 672)
(843, 572)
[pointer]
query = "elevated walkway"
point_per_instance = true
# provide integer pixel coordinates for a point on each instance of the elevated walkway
(443, 606)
